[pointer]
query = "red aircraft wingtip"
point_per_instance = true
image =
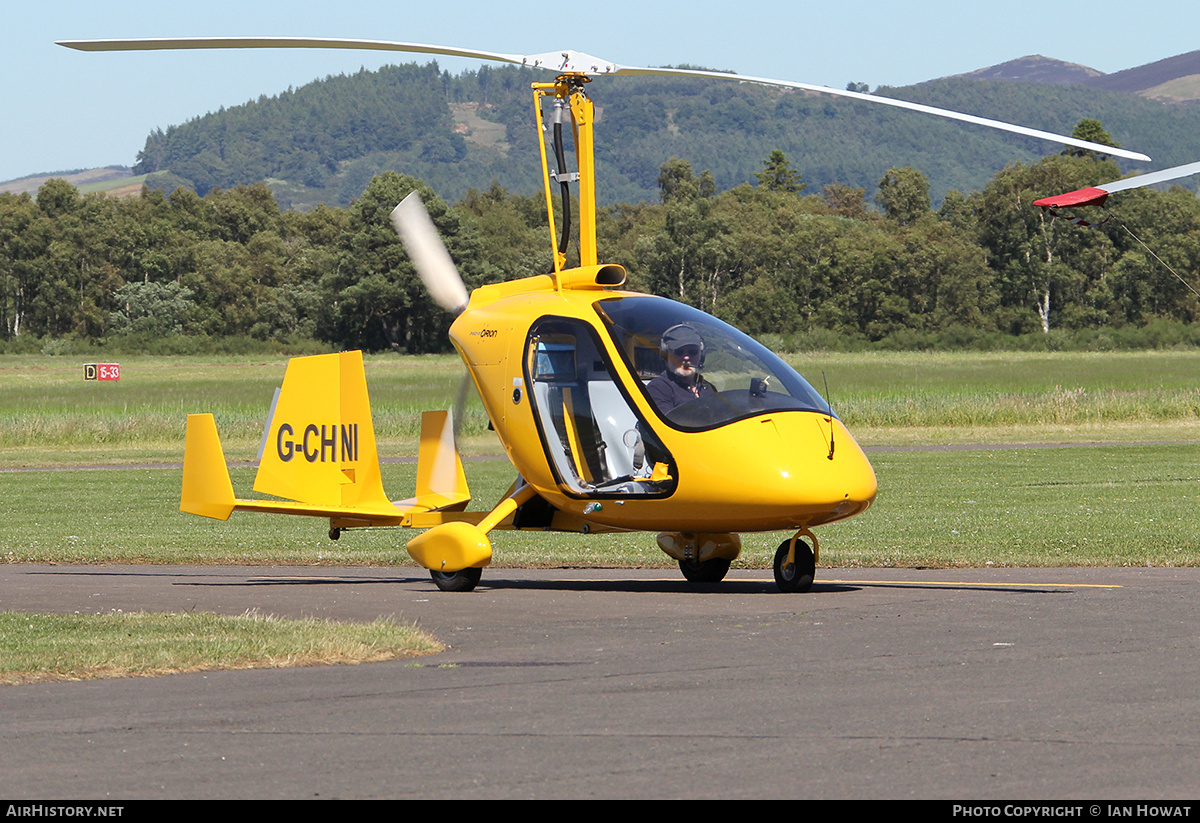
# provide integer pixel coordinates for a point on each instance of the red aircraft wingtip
(1082, 197)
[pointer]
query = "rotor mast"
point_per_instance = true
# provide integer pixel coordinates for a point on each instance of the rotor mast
(567, 91)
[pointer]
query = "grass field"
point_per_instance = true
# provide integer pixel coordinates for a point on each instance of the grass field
(50, 416)
(83, 647)
(1062, 505)
(1110, 505)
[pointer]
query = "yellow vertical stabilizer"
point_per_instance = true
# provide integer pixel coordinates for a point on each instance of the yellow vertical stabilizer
(441, 482)
(320, 443)
(207, 489)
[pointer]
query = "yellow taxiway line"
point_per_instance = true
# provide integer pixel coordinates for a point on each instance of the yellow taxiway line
(981, 584)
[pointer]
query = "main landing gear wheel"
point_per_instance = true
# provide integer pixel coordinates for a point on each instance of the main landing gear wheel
(708, 571)
(798, 576)
(460, 581)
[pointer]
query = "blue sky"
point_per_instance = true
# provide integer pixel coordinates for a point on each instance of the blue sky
(66, 109)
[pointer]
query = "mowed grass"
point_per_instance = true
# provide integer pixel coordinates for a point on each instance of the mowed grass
(939, 397)
(83, 647)
(1112, 503)
(49, 415)
(1050, 506)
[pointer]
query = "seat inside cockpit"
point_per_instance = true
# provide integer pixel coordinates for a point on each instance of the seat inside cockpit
(593, 437)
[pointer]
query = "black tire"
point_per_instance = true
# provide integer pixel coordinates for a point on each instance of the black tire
(461, 581)
(798, 576)
(708, 571)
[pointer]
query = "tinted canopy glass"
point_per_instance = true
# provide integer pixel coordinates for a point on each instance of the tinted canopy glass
(737, 376)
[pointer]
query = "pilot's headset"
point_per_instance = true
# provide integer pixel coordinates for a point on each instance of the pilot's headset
(677, 337)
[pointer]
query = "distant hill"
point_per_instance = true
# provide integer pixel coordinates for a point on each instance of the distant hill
(323, 142)
(1180, 73)
(103, 179)
(1172, 80)
(1035, 68)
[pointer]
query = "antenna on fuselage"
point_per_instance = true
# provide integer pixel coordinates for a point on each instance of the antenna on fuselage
(829, 406)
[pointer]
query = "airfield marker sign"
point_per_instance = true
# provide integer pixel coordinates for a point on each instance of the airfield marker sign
(101, 371)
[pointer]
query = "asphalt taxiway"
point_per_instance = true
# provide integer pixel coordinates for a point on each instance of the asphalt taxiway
(966, 684)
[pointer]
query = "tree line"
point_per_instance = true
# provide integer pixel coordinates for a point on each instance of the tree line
(808, 268)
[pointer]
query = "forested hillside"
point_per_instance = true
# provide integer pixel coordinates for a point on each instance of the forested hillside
(807, 267)
(325, 141)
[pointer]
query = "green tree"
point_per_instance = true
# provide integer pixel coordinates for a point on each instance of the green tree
(683, 256)
(959, 210)
(845, 200)
(904, 195)
(512, 231)
(677, 181)
(1151, 281)
(778, 175)
(151, 309)
(25, 234)
(1093, 131)
(1041, 263)
(57, 197)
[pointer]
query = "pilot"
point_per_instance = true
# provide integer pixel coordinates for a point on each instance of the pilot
(680, 382)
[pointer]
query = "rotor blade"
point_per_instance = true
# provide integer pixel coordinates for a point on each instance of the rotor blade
(1091, 196)
(1153, 177)
(1096, 195)
(429, 255)
(572, 62)
(902, 104)
(562, 61)
(174, 43)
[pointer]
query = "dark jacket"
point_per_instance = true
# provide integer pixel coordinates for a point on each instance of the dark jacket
(667, 390)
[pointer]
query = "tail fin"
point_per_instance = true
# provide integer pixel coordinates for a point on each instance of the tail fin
(441, 482)
(207, 489)
(320, 442)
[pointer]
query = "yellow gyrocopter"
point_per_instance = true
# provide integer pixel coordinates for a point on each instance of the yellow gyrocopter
(619, 411)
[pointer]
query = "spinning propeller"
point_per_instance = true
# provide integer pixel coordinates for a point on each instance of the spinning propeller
(429, 255)
(439, 274)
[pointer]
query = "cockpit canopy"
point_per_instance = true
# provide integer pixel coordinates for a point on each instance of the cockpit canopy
(597, 441)
(745, 377)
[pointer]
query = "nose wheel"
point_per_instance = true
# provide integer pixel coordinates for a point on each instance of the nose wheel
(798, 575)
(460, 581)
(707, 571)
